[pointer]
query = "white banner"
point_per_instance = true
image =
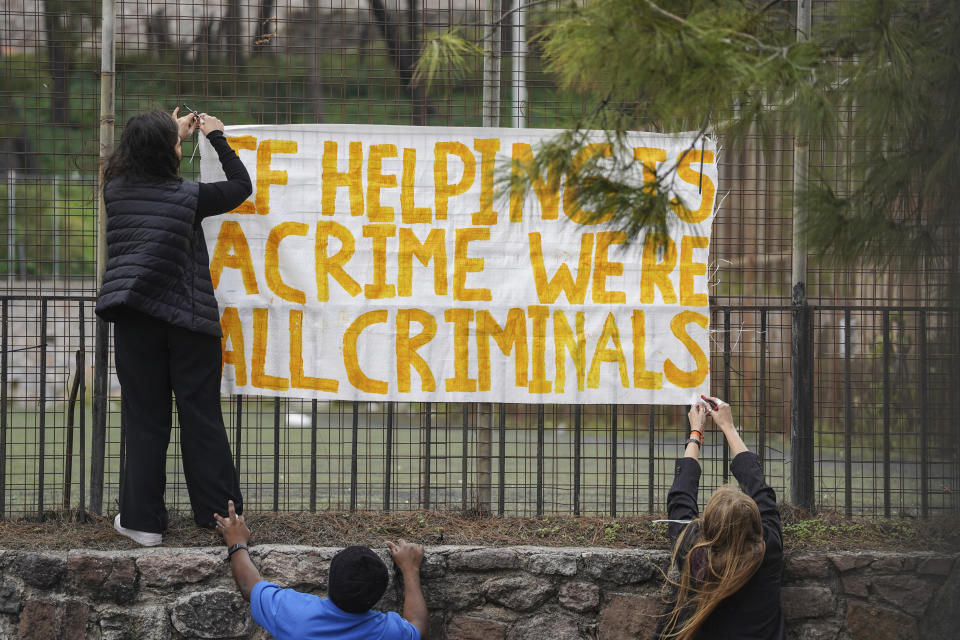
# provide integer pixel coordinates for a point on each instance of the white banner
(381, 263)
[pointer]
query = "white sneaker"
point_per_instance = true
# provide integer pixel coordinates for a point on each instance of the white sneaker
(144, 538)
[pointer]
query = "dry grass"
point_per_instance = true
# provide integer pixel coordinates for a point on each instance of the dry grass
(827, 531)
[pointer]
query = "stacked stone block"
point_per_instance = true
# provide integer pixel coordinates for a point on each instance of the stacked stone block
(514, 593)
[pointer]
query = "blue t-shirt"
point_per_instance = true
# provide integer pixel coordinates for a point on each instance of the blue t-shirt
(291, 615)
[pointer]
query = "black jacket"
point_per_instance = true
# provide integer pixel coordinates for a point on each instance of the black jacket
(754, 611)
(157, 255)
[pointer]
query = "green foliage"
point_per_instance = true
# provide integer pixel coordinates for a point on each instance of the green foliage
(610, 531)
(900, 71)
(53, 227)
(445, 53)
(876, 88)
(815, 531)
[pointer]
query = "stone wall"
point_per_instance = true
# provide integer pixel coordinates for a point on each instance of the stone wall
(519, 593)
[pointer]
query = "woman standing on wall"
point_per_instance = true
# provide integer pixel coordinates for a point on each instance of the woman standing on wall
(730, 560)
(158, 294)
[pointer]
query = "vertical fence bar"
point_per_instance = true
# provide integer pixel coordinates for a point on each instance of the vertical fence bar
(577, 455)
(56, 225)
(98, 439)
(354, 444)
(956, 397)
(886, 413)
(520, 65)
(762, 382)
(613, 461)
(427, 436)
(238, 431)
(847, 418)
(502, 489)
(70, 435)
(123, 448)
(98, 435)
(801, 376)
(4, 340)
(313, 455)
(276, 453)
(924, 469)
(465, 437)
(491, 65)
(485, 424)
(540, 459)
(651, 459)
(82, 365)
(11, 226)
(801, 405)
(389, 461)
(42, 435)
(726, 386)
(490, 110)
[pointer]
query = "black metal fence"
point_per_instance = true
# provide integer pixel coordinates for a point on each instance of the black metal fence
(884, 369)
(886, 396)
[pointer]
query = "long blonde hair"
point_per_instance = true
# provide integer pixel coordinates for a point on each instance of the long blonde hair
(728, 552)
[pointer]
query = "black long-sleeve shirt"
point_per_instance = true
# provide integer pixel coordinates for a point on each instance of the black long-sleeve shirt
(226, 195)
(754, 611)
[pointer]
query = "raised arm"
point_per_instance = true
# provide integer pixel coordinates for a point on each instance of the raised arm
(408, 557)
(226, 195)
(235, 532)
(723, 417)
(682, 497)
(746, 468)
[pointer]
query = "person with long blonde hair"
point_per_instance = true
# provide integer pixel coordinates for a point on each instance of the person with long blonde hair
(729, 561)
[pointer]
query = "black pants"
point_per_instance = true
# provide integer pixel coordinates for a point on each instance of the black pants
(153, 359)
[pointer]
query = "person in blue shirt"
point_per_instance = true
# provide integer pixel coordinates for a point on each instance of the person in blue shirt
(356, 582)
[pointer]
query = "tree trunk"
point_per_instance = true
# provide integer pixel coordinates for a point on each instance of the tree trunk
(315, 84)
(266, 29)
(403, 57)
(58, 63)
(413, 51)
(231, 34)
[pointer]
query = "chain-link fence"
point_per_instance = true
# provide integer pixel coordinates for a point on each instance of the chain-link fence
(886, 381)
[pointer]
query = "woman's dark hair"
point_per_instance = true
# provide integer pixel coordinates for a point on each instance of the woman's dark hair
(724, 548)
(146, 149)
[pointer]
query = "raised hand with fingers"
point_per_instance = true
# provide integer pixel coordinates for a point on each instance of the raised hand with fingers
(186, 125)
(209, 124)
(233, 528)
(720, 412)
(408, 557)
(697, 417)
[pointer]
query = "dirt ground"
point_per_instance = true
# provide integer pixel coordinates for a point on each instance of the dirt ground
(826, 531)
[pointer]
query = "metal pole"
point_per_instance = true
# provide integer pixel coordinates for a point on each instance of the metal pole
(491, 67)
(924, 417)
(12, 264)
(56, 226)
(520, 66)
(486, 423)
(491, 118)
(801, 356)
(98, 439)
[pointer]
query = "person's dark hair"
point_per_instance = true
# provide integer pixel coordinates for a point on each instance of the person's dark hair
(716, 555)
(146, 149)
(357, 580)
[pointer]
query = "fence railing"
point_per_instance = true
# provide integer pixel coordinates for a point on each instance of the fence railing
(886, 390)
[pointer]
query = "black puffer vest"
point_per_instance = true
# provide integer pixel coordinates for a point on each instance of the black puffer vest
(157, 256)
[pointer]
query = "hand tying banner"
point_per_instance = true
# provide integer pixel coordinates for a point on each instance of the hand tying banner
(377, 263)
